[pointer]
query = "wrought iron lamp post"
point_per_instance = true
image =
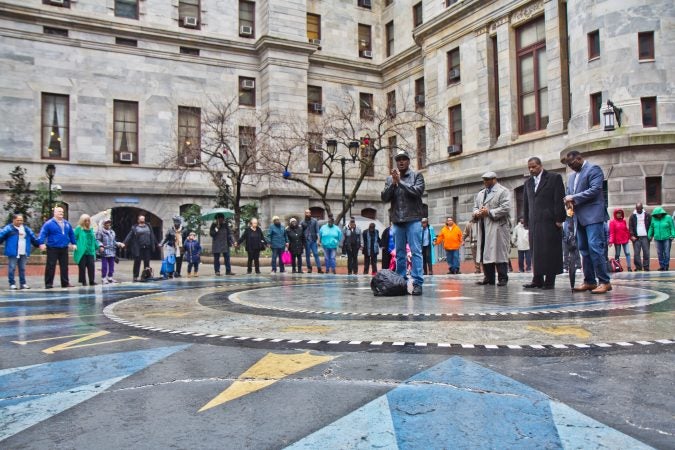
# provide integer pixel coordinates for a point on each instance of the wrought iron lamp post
(51, 171)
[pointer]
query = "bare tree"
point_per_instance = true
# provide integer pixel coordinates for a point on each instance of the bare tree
(227, 145)
(362, 128)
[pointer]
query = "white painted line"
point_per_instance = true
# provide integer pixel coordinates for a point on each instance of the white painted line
(212, 335)
(314, 341)
(537, 346)
(376, 343)
(515, 347)
(420, 344)
(491, 346)
(443, 344)
(276, 340)
(559, 346)
(227, 337)
(398, 343)
(174, 332)
(259, 339)
(602, 344)
(243, 338)
(664, 341)
(200, 334)
(624, 344)
(468, 346)
(334, 342)
(294, 341)
(354, 342)
(165, 331)
(582, 345)
(187, 333)
(644, 342)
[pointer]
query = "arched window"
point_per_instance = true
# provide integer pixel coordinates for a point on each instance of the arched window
(369, 213)
(318, 212)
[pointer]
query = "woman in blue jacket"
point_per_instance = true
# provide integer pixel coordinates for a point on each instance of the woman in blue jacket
(18, 239)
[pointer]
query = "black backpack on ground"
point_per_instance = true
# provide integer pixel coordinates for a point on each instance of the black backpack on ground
(387, 283)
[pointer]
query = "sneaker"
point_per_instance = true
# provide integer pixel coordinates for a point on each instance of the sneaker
(12, 286)
(272, 272)
(196, 275)
(25, 286)
(230, 273)
(217, 274)
(105, 281)
(417, 289)
(112, 280)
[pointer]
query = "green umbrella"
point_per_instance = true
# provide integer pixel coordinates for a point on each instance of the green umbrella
(211, 213)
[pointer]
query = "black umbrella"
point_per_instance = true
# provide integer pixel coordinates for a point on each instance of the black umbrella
(572, 251)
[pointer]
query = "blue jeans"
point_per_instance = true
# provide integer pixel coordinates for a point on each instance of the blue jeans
(12, 262)
(329, 256)
(216, 262)
(663, 251)
(314, 248)
(592, 244)
(276, 255)
(409, 233)
(452, 257)
(626, 250)
(524, 260)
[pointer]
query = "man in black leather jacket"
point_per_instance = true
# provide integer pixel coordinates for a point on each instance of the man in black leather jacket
(404, 189)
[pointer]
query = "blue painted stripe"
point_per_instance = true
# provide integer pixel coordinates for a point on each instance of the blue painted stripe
(25, 330)
(64, 375)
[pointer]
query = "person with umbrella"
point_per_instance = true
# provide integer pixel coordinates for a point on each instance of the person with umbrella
(544, 215)
(222, 241)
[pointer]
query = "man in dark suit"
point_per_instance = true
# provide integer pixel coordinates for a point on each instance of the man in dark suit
(544, 216)
(584, 194)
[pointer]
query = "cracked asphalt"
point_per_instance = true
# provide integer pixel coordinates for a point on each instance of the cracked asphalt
(65, 384)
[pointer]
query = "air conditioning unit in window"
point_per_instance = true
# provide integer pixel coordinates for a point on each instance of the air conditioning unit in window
(315, 147)
(57, 2)
(315, 41)
(454, 150)
(453, 75)
(248, 84)
(419, 100)
(367, 54)
(246, 31)
(190, 22)
(190, 161)
(316, 107)
(126, 157)
(244, 142)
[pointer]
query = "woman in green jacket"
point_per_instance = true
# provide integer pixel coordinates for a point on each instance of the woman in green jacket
(85, 253)
(662, 230)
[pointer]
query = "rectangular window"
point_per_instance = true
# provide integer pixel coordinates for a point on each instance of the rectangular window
(246, 146)
(388, 2)
(389, 38)
(62, 4)
(55, 31)
(125, 127)
(126, 8)
(646, 45)
(314, 153)
(596, 104)
(421, 135)
(246, 19)
(593, 44)
(391, 104)
(653, 190)
(314, 100)
(314, 28)
(453, 66)
(648, 111)
(189, 51)
(495, 81)
(455, 124)
(127, 42)
(532, 77)
(391, 147)
(450, 2)
(189, 135)
(365, 42)
(418, 17)
(366, 111)
(188, 13)
(246, 91)
(419, 93)
(365, 3)
(55, 126)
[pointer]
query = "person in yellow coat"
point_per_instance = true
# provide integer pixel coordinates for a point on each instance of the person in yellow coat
(451, 237)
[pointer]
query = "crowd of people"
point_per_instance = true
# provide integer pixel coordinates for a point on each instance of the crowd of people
(557, 223)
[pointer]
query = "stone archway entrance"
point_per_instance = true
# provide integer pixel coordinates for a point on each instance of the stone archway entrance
(124, 217)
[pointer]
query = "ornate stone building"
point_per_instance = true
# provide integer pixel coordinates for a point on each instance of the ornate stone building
(104, 89)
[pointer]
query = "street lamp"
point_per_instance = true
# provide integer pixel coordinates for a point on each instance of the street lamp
(331, 149)
(609, 113)
(51, 170)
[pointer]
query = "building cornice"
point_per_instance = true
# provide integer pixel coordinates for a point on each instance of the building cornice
(615, 141)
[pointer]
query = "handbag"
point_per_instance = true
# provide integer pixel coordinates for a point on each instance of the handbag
(286, 257)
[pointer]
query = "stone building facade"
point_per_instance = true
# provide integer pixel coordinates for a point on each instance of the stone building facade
(100, 88)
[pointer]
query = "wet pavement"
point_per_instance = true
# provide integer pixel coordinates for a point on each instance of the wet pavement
(315, 361)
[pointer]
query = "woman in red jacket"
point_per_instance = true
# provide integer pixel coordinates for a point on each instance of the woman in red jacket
(620, 236)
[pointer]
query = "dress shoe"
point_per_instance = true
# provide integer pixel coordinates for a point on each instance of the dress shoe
(484, 282)
(602, 288)
(532, 286)
(502, 282)
(417, 290)
(547, 287)
(229, 273)
(68, 286)
(49, 286)
(585, 287)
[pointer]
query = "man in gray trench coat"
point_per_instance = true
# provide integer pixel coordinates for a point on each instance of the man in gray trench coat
(491, 209)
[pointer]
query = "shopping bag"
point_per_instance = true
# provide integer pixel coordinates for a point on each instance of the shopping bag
(286, 257)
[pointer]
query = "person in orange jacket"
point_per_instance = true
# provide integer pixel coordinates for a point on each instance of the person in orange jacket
(451, 237)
